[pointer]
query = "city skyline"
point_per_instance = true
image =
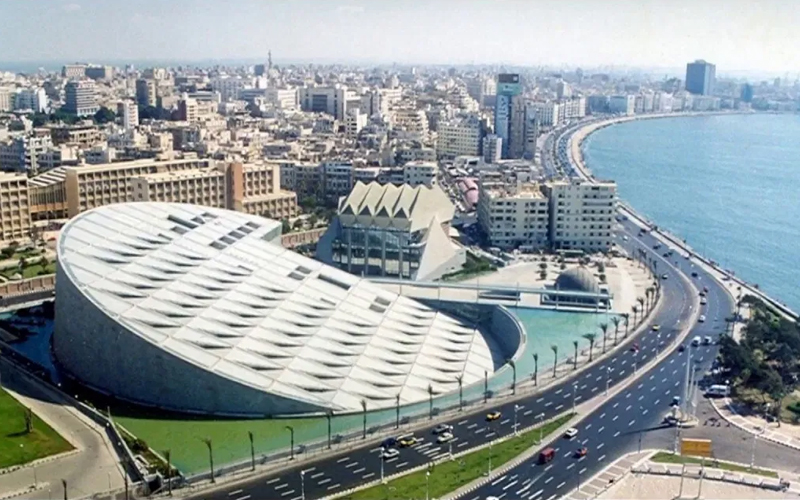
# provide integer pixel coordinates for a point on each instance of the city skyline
(667, 34)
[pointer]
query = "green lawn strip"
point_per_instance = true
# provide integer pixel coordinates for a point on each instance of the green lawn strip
(448, 476)
(670, 458)
(18, 447)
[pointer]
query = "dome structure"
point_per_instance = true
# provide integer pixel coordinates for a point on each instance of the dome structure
(199, 309)
(577, 279)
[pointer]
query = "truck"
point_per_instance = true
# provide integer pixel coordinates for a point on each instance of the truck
(718, 391)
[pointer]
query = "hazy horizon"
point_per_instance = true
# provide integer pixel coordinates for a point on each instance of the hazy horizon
(751, 38)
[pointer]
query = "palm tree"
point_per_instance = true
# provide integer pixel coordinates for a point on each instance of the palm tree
(626, 317)
(591, 338)
(460, 380)
(635, 310)
(575, 360)
(616, 320)
(555, 358)
(364, 407)
(430, 401)
(514, 375)
(640, 300)
(655, 266)
(604, 327)
(535, 369)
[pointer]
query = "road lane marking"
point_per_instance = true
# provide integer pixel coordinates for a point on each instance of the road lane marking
(594, 389)
(559, 407)
(462, 422)
(631, 423)
(616, 434)
(615, 418)
(342, 460)
(359, 471)
(540, 400)
(548, 467)
(559, 391)
(281, 486)
(652, 377)
(570, 465)
(504, 422)
(562, 483)
(640, 398)
(657, 401)
(602, 415)
(601, 429)
(333, 487)
(472, 426)
(653, 389)
(351, 464)
(490, 435)
(548, 404)
(510, 485)
(400, 464)
(287, 493)
(246, 497)
(588, 426)
(324, 481)
(482, 429)
(273, 481)
(367, 476)
(528, 412)
(548, 479)
(568, 454)
(462, 443)
(601, 458)
(628, 408)
(235, 492)
(498, 480)
(582, 387)
(318, 474)
(627, 395)
(534, 495)
(615, 405)
(644, 412)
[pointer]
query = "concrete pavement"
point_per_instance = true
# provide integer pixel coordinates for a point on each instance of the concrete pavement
(92, 468)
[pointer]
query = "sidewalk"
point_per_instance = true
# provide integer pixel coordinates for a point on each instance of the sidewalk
(611, 475)
(786, 434)
(91, 468)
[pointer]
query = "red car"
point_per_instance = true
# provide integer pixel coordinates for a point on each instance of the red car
(635, 347)
(581, 452)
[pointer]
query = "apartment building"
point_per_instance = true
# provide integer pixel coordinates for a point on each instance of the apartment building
(76, 70)
(146, 92)
(23, 153)
(420, 173)
(83, 136)
(80, 99)
(405, 154)
(199, 187)
(460, 137)
(47, 195)
(15, 218)
(335, 100)
(255, 188)
(284, 99)
(92, 186)
(582, 215)
(412, 121)
(548, 113)
(338, 177)
(514, 215)
(129, 112)
(622, 104)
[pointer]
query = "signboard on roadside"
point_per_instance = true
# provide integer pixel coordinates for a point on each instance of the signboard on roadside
(696, 447)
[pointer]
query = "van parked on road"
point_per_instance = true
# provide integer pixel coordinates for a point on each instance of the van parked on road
(718, 391)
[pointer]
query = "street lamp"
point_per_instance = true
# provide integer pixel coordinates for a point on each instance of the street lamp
(383, 459)
(608, 378)
(574, 393)
(208, 443)
(541, 426)
(291, 441)
(252, 451)
(516, 409)
(427, 480)
(302, 485)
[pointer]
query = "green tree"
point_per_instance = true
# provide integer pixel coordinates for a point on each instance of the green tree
(285, 226)
(591, 337)
(104, 115)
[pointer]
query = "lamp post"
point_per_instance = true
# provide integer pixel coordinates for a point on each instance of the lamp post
(291, 441)
(329, 417)
(382, 460)
(168, 457)
(608, 378)
(397, 411)
(574, 393)
(302, 485)
(516, 409)
(427, 480)
(252, 451)
(208, 443)
(541, 426)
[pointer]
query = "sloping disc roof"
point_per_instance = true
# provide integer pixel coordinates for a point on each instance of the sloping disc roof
(212, 287)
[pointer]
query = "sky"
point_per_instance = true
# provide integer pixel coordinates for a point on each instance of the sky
(736, 35)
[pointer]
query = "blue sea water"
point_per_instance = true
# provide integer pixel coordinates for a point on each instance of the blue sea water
(727, 183)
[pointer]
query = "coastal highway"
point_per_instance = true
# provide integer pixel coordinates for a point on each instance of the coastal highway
(333, 474)
(616, 427)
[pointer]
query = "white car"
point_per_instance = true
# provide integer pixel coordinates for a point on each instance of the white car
(696, 341)
(442, 428)
(701, 319)
(390, 453)
(445, 437)
(703, 301)
(571, 433)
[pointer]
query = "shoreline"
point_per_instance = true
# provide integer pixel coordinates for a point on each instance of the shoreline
(725, 276)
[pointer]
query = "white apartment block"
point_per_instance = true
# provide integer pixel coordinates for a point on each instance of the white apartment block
(492, 148)
(403, 155)
(354, 122)
(412, 121)
(582, 215)
(285, 99)
(574, 108)
(129, 112)
(460, 137)
(228, 87)
(514, 216)
(417, 173)
(338, 177)
(15, 217)
(548, 113)
(32, 99)
(331, 100)
(6, 99)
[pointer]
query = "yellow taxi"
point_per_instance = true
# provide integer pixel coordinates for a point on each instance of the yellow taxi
(656, 328)
(493, 416)
(407, 441)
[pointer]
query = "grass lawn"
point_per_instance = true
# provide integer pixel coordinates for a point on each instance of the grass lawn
(670, 458)
(473, 267)
(30, 271)
(450, 475)
(17, 447)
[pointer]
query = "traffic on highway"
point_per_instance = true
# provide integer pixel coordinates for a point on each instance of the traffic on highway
(614, 426)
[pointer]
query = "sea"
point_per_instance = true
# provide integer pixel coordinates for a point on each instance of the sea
(728, 184)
